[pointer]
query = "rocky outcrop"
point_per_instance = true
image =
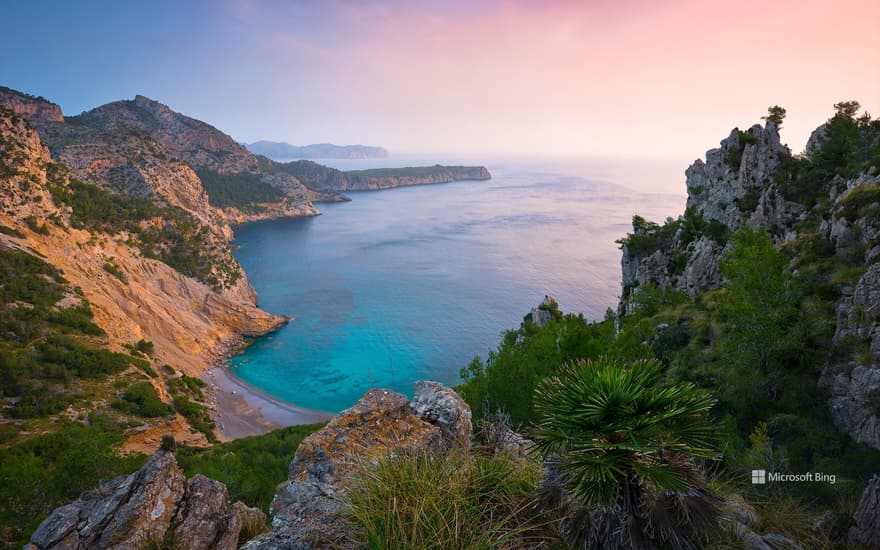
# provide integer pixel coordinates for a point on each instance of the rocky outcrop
(735, 175)
(866, 531)
(741, 183)
(382, 423)
(152, 505)
(442, 407)
(30, 107)
(732, 187)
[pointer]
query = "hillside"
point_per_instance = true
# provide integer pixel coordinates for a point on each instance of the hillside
(329, 180)
(284, 151)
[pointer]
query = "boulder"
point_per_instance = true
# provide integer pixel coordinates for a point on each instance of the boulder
(155, 503)
(866, 531)
(442, 407)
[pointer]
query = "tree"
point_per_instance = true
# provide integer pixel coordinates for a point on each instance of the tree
(847, 108)
(776, 115)
(760, 304)
(621, 449)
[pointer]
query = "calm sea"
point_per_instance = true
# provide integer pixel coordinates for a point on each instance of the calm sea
(412, 283)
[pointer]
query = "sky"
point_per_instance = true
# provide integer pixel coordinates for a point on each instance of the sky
(608, 78)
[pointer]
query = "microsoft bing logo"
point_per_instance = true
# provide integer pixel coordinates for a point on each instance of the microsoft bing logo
(759, 477)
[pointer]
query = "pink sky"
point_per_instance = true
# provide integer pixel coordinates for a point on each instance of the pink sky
(597, 78)
(626, 78)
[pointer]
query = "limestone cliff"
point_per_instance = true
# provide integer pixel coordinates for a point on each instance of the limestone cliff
(30, 107)
(189, 321)
(748, 181)
(142, 147)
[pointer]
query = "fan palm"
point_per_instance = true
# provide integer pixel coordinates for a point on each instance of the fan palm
(621, 449)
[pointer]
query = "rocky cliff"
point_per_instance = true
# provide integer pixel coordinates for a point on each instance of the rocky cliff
(30, 107)
(142, 147)
(751, 179)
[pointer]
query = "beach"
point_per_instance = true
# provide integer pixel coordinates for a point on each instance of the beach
(240, 410)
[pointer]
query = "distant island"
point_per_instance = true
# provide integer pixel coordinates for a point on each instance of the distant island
(280, 150)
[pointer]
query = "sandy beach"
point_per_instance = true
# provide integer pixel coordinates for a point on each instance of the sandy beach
(241, 410)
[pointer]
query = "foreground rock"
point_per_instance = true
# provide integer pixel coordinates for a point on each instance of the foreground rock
(382, 423)
(866, 531)
(152, 505)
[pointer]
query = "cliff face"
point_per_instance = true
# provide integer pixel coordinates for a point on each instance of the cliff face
(189, 321)
(30, 107)
(732, 187)
(744, 183)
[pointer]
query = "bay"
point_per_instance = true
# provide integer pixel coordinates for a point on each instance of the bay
(412, 283)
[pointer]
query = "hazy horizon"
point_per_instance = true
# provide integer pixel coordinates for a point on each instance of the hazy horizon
(626, 79)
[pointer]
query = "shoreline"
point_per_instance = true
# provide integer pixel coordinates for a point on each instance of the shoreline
(240, 410)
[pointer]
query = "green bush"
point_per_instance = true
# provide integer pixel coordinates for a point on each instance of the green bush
(250, 467)
(51, 469)
(142, 400)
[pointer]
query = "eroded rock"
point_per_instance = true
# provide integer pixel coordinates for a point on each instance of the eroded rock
(152, 504)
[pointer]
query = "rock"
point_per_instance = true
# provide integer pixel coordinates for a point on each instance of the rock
(854, 387)
(866, 531)
(31, 108)
(545, 312)
(381, 424)
(442, 407)
(147, 505)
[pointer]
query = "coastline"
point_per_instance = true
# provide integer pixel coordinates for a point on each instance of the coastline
(240, 410)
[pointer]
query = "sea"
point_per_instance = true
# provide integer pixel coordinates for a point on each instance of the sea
(412, 283)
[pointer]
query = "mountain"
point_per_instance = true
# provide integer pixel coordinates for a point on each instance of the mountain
(277, 150)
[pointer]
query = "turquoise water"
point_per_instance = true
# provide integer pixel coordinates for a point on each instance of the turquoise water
(412, 283)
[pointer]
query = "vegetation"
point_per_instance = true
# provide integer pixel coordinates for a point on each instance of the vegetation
(242, 190)
(142, 400)
(114, 269)
(622, 447)
(776, 115)
(448, 501)
(250, 467)
(165, 233)
(44, 347)
(49, 470)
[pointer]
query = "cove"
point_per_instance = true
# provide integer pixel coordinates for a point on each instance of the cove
(412, 283)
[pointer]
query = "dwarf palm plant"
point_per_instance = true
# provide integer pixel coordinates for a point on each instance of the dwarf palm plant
(621, 448)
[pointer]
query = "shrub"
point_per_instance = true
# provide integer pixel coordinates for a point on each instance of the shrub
(622, 447)
(250, 467)
(142, 400)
